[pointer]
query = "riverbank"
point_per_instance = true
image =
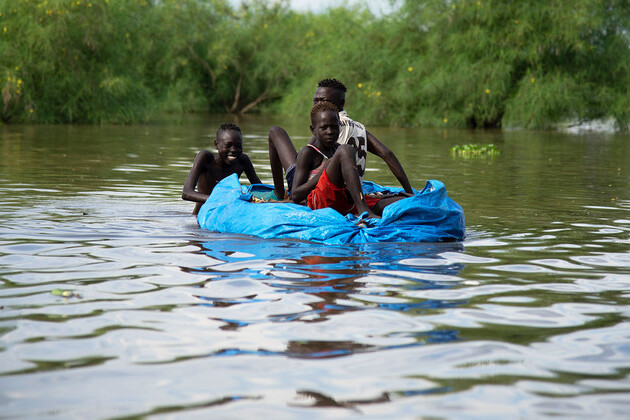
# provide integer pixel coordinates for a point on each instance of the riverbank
(459, 64)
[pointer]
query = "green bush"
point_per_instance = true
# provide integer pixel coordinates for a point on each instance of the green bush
(75, 61)
(460, 63)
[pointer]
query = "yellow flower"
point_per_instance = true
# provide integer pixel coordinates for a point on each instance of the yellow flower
(127, 35)
(445, 120)
(19, 81)
(487, 91)
(378, 93)
(5, 29)
(410, 68)
(454, 7)
(31, 110)
(359, 85)
(17, 68)
(533, 80)
(266, 26)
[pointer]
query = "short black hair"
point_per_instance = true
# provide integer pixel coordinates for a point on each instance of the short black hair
(228, 127)
(332, 83)
(323, 106)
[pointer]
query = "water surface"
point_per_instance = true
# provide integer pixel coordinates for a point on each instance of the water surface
(113, 303)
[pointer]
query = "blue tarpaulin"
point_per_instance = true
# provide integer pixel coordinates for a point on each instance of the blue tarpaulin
(429, 216)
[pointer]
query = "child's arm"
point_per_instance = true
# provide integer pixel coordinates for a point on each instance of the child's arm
(189, 192)
(302, 185)
(382, 151)
(248, 167)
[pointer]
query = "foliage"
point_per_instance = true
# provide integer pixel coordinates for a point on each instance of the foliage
(65, 293)
(74, 61)
(468, 151)
(527, 64)
(462, 63)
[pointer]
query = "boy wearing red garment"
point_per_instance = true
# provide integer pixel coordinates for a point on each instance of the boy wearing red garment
(326, 174)
(282, 152)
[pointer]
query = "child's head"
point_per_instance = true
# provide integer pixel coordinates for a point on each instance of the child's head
(331, 90)
(325, 123)
(229, 142)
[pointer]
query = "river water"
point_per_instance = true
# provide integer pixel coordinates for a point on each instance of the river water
(114, 304)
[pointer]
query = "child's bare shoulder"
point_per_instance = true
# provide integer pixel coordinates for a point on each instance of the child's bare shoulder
(305, 150)
(244, 160)
(205, 158)
(205, 155)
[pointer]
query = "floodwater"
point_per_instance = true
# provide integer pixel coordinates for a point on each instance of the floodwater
(114, 304)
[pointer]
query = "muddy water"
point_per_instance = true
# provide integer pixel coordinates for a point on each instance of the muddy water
(113, 302)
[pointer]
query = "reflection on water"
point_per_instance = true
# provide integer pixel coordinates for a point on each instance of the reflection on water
(325, 294)
(113, 303)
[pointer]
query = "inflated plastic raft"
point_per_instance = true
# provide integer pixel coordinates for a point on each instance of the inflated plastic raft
(429, 216)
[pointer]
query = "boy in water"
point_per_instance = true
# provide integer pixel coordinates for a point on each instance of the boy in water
(210, 168)
(326, 174)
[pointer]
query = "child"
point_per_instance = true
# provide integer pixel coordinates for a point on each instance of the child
(282, 153)
(210, 168)
(326, 173)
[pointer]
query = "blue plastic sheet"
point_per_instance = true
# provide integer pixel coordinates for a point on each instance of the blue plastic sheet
(429, 216)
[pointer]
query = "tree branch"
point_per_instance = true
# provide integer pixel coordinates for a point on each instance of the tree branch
(237, 94)
(205, 65)
(252, 104)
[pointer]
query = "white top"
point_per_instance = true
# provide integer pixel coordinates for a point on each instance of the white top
(352, 132)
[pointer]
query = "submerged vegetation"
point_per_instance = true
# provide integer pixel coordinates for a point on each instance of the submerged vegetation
(459, 63)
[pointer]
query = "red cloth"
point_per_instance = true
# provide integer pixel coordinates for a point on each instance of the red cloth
(326, 194)
(371, 201)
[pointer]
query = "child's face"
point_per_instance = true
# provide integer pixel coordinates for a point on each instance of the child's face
(229, 146)
(325, 127)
